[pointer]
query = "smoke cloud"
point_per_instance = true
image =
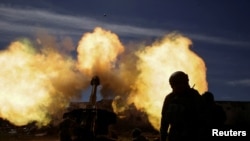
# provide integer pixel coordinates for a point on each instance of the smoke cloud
(40, 77)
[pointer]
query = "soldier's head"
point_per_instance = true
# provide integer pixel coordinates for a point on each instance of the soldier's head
(208, 97)
(179, 81)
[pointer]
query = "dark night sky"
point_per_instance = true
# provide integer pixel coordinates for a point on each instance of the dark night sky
(219, 30)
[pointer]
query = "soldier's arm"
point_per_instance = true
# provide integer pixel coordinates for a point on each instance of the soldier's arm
(164, 121)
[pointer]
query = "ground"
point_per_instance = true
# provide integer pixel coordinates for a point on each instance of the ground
(122, 137)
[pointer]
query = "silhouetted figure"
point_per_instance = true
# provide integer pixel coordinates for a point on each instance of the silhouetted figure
(181, 111)
(137, 135)
(214, 114)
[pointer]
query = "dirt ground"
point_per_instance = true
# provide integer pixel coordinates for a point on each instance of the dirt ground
(28, 138)
(121, 137)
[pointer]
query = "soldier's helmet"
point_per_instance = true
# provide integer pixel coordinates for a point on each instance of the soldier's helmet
(178, 77)
(208, 97)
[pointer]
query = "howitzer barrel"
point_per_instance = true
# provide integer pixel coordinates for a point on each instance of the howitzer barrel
(94, 82)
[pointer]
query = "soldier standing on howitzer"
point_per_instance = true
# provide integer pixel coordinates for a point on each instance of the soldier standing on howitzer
(181, 111)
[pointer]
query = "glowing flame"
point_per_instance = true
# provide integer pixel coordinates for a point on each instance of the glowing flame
(141, 76)
(98, 51)
(38, 84)
(35, 86)
(156, 63)
(97, 55)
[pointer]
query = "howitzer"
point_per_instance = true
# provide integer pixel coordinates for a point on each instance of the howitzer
(91, 122)
(92, 106)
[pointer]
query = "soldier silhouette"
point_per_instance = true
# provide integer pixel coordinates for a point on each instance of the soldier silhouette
(181, 111)
(214, 114)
